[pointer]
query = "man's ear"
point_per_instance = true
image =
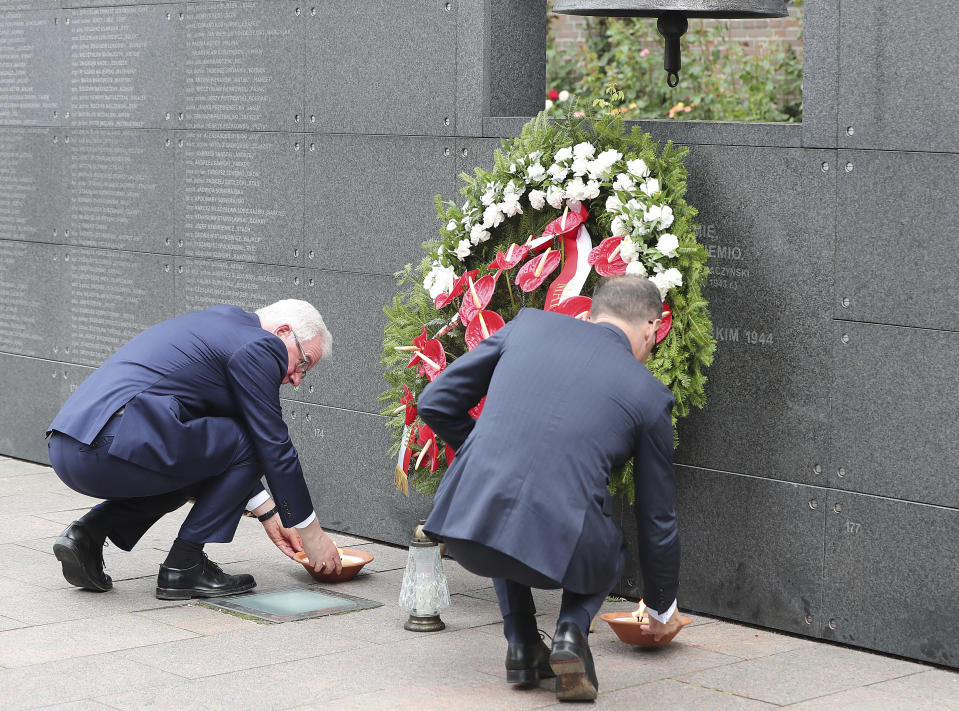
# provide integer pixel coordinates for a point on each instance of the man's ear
(282, 329)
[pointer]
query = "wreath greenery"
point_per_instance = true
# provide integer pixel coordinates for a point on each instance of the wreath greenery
(544, 183)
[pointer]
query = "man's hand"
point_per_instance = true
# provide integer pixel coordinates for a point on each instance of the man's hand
(659, 629)
(286, 539)
(320, 549)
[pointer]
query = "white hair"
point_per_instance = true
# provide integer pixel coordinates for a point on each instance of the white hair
(303, 318)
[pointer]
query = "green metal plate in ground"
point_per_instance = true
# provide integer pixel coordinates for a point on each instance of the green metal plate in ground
(293, 604)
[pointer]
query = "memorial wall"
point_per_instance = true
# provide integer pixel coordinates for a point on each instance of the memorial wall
(157, 158)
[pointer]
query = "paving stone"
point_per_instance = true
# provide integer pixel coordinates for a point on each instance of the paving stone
(672, 695)
(18, 467)
(85, 705)
(739, 641)
(869, 698)
(258, 646)
(34, 645)
(66, 680)
(20, 527)
(936, 686)
(7, 623)
(73, 603)
(801, 674)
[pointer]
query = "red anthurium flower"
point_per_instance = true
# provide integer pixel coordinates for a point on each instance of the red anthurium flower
(476, 411)
(575, 306)
(481, 291)
(553, 95)
(431, 358)
(407, 400)
(599, 257)
(427, 440)
(510, 258)
(566, 223)
(535, 271)
(483, 325)
(450, 454)
(667, 323)
(443, 300)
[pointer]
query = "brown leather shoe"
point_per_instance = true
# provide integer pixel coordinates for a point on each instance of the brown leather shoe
(82, 558)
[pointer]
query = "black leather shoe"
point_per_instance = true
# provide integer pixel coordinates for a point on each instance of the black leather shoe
(82, 558)
(572, 661)
(205, 579)
(526, 664)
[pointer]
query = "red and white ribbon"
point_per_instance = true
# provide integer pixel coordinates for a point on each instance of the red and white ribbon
(570, 281)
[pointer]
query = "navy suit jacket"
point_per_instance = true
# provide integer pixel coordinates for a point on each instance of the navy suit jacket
(177, 380)
(566, 401)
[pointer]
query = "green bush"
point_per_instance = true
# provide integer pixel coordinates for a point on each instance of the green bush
(719, 80)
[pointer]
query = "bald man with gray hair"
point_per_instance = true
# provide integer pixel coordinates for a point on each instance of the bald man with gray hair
(190, 409)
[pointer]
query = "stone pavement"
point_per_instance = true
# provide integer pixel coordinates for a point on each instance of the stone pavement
(63, 648)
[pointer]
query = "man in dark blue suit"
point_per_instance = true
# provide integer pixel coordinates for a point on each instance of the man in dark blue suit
(526, 500)
(190, 408)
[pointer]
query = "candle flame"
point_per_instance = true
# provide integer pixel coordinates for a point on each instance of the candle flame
(640, 612)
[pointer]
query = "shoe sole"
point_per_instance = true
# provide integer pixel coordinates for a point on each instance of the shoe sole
(526, 677)
(190, 593)
(572, 682)
(73, 570)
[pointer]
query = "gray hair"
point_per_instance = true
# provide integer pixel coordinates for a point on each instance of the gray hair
(303, 318)
(633, 299)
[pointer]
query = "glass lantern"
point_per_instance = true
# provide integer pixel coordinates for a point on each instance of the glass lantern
(425, 592)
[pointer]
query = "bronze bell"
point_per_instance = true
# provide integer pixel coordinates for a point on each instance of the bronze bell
(672, 17)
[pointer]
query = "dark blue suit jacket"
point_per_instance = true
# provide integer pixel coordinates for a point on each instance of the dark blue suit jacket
(176, 380)
(566, 401)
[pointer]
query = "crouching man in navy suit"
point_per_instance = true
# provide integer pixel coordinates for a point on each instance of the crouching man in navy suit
(190, 408)
(526, 500)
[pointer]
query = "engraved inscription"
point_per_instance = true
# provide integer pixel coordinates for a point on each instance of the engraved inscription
(109, 301)
(114, 177)
(22, 319)
(726, 268)
(23, 98)
(19, 183)
(109, 50)
(232, 63)
(209, 283)
(232, 204)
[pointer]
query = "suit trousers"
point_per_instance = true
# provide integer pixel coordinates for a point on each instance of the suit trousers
(137, 497)
(513, 580)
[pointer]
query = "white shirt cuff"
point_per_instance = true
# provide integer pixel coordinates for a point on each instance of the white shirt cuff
(257, 500)
(664, 618)
(307, 521)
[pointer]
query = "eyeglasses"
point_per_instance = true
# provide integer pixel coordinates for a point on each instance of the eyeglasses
(303, 365)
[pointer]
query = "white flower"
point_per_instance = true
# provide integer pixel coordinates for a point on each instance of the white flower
(637, 167)
(512, 168)
(584, 150)
(601, 165)
(537, 198)
(613, 203)
(554, 196)
(549, 104)
(659, 214)
(579, 166)
(623, 182)
(535, 173)
(489, 197)
(478, 234)
(650, 187)
(618, 227)
(576, 190)
(510, 206)
(440, 280)
(533, 157)
(451, 226)
(564, 95)
(514, 190)
(462, 249)
(668, 244)
(628, 250)
(666, 280)
(592, 190)
(492, 217)
(558, 172)
(563, 154)
(636, 269)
